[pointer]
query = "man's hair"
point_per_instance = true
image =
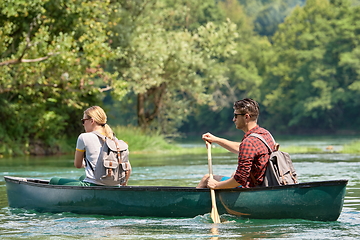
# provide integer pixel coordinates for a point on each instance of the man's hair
(247, 105)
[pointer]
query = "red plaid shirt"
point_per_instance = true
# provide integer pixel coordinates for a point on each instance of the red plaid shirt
(253, 158)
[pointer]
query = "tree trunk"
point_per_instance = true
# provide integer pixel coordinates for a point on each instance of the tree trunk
(141, 110)
(152, 98)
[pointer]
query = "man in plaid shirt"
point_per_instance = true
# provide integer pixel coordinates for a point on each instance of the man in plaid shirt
(253, 155)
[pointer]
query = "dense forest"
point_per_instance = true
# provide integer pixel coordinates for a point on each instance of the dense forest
(176, 66)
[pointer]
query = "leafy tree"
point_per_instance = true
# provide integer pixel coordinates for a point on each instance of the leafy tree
(51, 56)
(245, 75)
(268, 14)
(168, 67)
(236, 13)
(194, 15)
(249, 67)
(314, 79)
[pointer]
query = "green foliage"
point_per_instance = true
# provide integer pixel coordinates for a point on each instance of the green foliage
(314, 67)
(168, 67)
(163, 63)
(190, 15)
(268, 14)
(244, 74)
(50, 67)
(236, 13)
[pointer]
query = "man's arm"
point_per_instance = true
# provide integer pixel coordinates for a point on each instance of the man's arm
(227, 144)
(230, 183)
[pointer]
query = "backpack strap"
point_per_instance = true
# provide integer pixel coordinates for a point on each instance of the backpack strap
(102, 137)
(267, 145)
(118, 150)
(276, 148)
(88, 162)
(263, 140)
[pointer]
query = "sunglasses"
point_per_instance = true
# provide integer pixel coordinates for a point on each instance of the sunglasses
(84, 119)
(237, 114)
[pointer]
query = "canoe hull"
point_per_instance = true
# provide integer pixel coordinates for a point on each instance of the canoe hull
(129, 201)
(322, 202)
(313, 201)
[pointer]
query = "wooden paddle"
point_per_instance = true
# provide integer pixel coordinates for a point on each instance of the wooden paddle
(214, 212)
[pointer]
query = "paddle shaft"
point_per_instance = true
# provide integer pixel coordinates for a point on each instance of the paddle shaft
(214, 212)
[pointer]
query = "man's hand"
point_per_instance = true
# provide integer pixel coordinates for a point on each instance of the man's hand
(212, 183)
(209, 137)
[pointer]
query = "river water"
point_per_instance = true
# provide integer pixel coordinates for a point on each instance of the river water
(179, 170)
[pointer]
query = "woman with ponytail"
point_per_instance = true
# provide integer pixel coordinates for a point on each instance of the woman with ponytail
(89, 146)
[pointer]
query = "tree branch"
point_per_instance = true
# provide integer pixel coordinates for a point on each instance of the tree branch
(28, 36)
(107, 88)
(20, 60)
(23, 86)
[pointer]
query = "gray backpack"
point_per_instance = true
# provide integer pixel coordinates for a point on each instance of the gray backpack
(113, 161)
(280, 169)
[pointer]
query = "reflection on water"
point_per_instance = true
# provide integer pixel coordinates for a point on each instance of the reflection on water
(185, 170)
(70, 226)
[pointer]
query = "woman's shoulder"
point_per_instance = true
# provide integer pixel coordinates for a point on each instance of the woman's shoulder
(88, 135)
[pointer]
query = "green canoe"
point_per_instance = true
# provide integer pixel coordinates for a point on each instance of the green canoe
(313, 201)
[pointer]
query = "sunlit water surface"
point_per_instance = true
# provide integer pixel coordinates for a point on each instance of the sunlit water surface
(181, 170)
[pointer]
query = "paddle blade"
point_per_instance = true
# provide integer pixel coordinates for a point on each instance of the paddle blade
(215, 215)
(214, 212)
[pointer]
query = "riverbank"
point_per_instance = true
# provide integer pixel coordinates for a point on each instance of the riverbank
(143, 142)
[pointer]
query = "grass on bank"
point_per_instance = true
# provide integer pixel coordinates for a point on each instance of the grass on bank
(141, 142)
(352, 148)
(300, 149)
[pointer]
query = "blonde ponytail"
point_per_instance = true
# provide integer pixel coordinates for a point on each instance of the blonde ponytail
(99, 116)
(108, 131)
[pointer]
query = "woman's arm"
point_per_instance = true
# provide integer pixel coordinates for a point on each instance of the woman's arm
(79, 159)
